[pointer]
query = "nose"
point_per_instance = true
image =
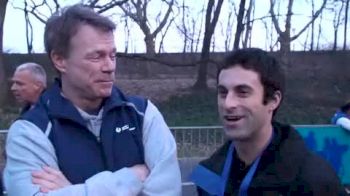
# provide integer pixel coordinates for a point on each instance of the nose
(231, 101)
(13, 87)
(109, 65)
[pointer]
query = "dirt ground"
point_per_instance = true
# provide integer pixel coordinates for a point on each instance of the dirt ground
(158, 90)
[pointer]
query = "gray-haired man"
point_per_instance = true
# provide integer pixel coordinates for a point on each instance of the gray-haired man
(28, 82)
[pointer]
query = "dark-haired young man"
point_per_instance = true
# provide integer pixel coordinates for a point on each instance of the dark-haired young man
(84, 136)
(261, 157)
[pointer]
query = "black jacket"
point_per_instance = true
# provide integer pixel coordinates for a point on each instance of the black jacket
(286, 167)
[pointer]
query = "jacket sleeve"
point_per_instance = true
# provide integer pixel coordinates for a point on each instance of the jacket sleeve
(317, 177)
(344, 122)
(28, 149)
(160, 156)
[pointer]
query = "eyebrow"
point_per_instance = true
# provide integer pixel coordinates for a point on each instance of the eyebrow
(221, 87)
(243, 86)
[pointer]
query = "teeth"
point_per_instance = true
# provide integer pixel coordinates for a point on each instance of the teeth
(233, 118)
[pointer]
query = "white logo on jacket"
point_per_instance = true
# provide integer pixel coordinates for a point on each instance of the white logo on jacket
(124, 128)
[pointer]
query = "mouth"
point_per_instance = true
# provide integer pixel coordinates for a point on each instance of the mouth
(233, 119)
(16, 95)
(105, 81)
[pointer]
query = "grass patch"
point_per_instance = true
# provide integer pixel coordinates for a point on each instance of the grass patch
(198, 108)
(7, 116)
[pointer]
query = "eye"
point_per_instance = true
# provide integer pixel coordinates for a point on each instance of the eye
(96, 56)
(222, 92)
(113, 56)
(243, 92)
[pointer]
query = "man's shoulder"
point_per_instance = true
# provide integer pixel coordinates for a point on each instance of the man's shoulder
(317, 174)
(216, 161)
(339, 114)
(139, 103)
(311, 169)
(37, 115)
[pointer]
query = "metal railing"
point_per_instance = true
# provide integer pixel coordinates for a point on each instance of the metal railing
(200, 141)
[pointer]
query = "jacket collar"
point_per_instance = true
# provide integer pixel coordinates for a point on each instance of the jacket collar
(60, 107)
(280, 162)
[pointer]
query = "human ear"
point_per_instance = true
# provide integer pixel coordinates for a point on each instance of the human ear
(58, 61)
(275, 101)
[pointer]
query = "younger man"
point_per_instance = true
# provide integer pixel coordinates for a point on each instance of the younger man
(262, 157)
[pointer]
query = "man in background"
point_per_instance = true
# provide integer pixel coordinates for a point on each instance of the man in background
(342, 116)
(28, 82)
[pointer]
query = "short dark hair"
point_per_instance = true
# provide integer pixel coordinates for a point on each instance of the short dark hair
(64, 24)
(346, 107)
(267, 67)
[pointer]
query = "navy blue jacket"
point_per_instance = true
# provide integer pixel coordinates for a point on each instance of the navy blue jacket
(80, 154)
(286, 167)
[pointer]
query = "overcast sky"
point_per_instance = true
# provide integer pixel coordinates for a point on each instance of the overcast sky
(15, 40)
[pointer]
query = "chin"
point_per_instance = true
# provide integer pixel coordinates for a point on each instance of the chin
(105, 93)
(236, 134)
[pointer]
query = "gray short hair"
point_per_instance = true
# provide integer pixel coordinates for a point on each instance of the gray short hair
(37, 70)
(64, 24)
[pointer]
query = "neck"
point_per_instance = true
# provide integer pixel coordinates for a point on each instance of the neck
(249, 150)
(81, 102)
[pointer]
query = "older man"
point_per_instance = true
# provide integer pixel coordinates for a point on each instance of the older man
(28, 82)
(84, 136)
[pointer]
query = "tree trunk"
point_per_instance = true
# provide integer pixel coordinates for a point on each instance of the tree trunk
(3, 81)
(249, 24)
(336, 24)
(210, 23)
(137, 11)
(184, 26)
(285, 45)
(285, 36)
(335, 39)
(150, 46)
(312, 27)
(346, 23)
(240, 26)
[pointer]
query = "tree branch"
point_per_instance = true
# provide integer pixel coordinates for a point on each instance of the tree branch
(273, 17)
(317, 13)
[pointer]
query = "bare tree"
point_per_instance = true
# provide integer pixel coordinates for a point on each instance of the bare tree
(240, 26)
(197, 41)
(39, 9)
(137, 11)
(127, 34)
(249, 24)
(284, 37)
(337, 19)
(163, 34)
(305, 44)
(190, 27)
(29, 29)
(183, 27)
(319, 32)
(100, 8)
(346, 23)
(211, 18)
(312, 25)
(229, 25)
(42, 10)
(3, 81)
